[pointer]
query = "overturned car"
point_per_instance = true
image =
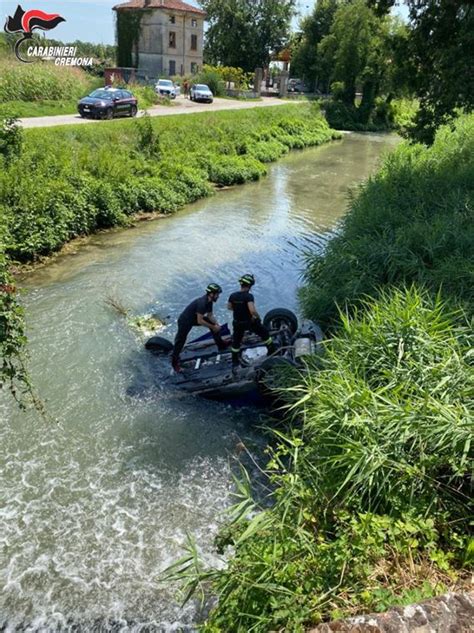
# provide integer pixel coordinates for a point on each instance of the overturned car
(207, 372)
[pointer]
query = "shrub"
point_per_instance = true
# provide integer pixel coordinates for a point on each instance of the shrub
(412, 222)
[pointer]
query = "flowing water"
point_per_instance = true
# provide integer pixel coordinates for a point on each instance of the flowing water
(96, 503)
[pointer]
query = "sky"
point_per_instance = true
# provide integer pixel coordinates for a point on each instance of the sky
(93, 20)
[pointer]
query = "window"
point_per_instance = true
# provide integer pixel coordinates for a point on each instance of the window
(172, 19)
(194, 22)
(172, 40)
(194, 68)
(172, 67)
(194, 42)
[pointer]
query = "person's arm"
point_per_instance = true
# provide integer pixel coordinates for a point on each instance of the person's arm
(208, 321)
(230, 306)
(253, 310)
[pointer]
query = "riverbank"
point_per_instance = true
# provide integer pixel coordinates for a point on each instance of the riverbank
(372, 496)
(98, 176)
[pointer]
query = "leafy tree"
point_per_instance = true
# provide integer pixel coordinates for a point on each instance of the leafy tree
(244, 33)
(442, 52)
(358, 52)
(305, 61)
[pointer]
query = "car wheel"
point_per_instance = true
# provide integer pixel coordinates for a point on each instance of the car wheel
(82, 115)
(109, 114)
(275, 319)
(159, 345)
(133, 111)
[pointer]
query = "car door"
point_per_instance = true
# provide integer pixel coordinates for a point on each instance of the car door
(120, 102)
(127, 101)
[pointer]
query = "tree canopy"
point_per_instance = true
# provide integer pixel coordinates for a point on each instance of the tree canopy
(245, 33)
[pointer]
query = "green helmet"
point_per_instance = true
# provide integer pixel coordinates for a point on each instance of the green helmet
(213, 288)
(247, 280)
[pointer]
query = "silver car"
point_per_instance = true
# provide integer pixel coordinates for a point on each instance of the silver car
(201, 92)
(166, 88)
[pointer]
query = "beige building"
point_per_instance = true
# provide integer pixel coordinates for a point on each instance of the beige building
(171, 36)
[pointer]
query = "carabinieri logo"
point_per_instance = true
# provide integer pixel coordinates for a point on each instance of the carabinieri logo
(26, 22)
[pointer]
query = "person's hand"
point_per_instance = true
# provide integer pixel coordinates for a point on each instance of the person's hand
(216, 328)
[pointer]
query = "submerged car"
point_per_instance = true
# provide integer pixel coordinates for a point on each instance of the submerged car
(201, 92)
(166, 88)
(208, 372)
(106, 103)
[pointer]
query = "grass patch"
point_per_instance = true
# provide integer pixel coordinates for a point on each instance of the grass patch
(97, 176)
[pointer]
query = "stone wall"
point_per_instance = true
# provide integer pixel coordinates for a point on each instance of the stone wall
(450, 613)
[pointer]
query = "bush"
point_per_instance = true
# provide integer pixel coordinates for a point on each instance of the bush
(92, 177)
(412, 222)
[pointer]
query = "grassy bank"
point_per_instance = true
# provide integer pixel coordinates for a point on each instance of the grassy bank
(371, 480)
(72, 181)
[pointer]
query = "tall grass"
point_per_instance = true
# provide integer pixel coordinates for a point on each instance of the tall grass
(40, 81)
(72, 181)
(412, 222)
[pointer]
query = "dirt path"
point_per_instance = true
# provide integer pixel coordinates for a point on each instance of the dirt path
(180, 106)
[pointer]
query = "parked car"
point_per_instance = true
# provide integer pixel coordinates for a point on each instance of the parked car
(297, 85)
(105, 103)
(166, 88)
(201, 92)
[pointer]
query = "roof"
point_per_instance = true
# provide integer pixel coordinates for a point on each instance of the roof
(173, 5)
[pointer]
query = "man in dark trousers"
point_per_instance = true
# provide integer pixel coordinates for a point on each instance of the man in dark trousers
(246, 318)
(198, 312)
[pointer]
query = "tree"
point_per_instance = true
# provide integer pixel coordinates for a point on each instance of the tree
(244, 33)
(305, 61)
(357, 51)
(441, 47)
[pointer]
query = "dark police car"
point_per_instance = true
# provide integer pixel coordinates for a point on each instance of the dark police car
(105, 103)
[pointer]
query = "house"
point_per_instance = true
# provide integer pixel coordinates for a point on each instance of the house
(160, 37)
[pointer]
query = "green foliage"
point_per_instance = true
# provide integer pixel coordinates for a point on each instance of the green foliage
(98, 176)
(305, 61)
(243, 33)
(212, 78)
(42, 81)
(127, 36)
(12, 328)
(11, 138)
(412, 222)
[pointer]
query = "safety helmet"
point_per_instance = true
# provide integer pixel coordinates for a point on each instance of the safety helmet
(213, 288)
(247, 280)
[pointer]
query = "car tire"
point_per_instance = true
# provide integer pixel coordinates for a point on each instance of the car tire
(159, 345)
(109, 114)
(133, 111)
(274, 319)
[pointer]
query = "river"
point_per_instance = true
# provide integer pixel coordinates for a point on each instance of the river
(94, 504)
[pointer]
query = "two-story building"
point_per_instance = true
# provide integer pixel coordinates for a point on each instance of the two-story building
(170, 40)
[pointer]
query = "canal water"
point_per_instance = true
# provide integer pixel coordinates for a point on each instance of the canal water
(95, 504)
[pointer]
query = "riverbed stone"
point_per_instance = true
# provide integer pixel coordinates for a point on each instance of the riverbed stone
(449, 613)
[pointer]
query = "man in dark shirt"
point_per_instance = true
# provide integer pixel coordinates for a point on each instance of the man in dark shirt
(246, 318)
(198, 312)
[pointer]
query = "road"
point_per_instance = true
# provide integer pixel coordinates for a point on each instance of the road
(179, 106)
